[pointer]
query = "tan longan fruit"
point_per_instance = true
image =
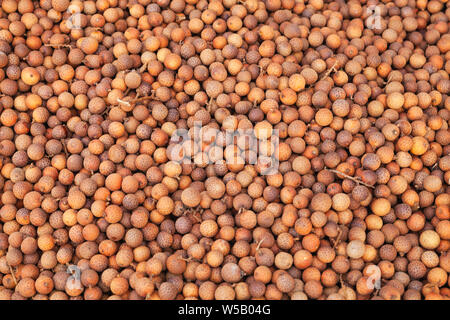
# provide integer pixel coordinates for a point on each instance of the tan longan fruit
(429, 239)
(30, 76)
(443, 229)
(191, 197)
(224, 292)
(324, 117)
(437, 276)
(380, 206)
(165, 205)
(167, 291)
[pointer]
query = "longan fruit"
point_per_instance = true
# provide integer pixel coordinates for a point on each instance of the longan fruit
(175, 264)
(313, 289)
(224, 292)
(46, 242)
(30, 76)
(214, 258)
(443, 229)
(26, 287)
(283, 260)
(89, 45)
(215, 187)
(172, 61)
(119, 286)
(355, 249)
(432, 183)
(285, 283)
(381, 206)
(165, 205)
(263, 130)
(154, 266)
(208, 228)
(76, 199)
(44, 284)
(321, 202)
(231, 273)
(167, 291)
(324, 117)
(191, 197)
(133, 80)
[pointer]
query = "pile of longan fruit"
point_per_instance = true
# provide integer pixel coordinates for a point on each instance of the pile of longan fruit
(97, 202)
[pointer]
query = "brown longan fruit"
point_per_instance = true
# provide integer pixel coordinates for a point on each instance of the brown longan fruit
(324, 117)
(257, 289)
(231, 272)
(175, 264)
(285, 283)
(191, 197)
(89, 45)
(263, 274)
(416, 269)
(224, 292)
(326, 254)
(321, 202)
(419, 145)
(14, 256)
(165, 205)
(89, 175)
(430, 259)
(264, 256)
(32, 200)
(313, 289)
(381, 206)
(119, 285)
(208, 228)
(432, 183)
(402, 244)
(167, 291)
(30, 76)
(154, 266)
(412, 294)
(398, 185)
(26, 287)
(214, 258)
(46, 242)
(76, 198)
(29, 245)
(437, 276)
(44, 284)
(443, 229)
(311, 242)
(215, 187)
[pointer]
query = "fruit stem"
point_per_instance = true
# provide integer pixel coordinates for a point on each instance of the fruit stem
(259, 244)
(12, 273)
(338, 239)
(329, 71)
